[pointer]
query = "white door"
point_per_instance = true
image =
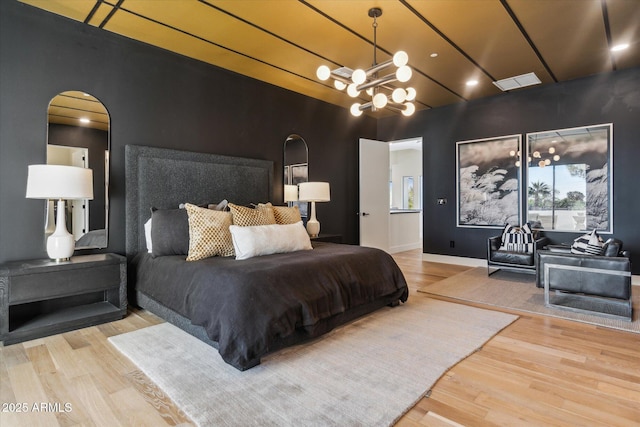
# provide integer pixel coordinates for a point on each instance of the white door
(374, 194)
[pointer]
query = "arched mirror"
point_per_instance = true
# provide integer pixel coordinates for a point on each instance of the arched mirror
(78, 135)
(296, 168)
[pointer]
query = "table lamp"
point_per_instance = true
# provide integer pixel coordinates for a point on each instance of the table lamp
(60, 183)
(290, 194)
(314, 192)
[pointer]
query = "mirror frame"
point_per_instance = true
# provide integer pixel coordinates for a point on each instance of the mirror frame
(585, 158)
(296, 166)
(64, 112)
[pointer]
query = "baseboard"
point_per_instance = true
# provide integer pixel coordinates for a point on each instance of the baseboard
(405, 247)
(477, 262)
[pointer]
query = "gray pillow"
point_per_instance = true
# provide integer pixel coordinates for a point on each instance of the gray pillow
(169, 232)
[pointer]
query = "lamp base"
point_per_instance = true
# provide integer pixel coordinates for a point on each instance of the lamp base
(313, 227)
(60, 245)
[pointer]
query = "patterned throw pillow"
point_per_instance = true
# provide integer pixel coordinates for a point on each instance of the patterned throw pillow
(209, 233)
(516, 239)
(589, 244)
(283, 214)
(244, 216)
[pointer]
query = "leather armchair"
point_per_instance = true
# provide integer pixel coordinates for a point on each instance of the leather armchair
(588, 283)
(510, 260)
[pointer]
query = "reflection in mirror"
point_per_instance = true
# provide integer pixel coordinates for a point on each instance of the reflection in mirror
(569, 179)
(296, 166)
(78, 135)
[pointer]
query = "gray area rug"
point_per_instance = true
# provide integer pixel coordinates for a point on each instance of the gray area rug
(367, 373)
(518, 291)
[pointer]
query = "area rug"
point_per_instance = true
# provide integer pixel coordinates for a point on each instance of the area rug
(366, 373)
(518, 291)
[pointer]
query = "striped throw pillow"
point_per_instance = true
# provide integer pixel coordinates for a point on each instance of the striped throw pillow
(516, 239)
(589, 244)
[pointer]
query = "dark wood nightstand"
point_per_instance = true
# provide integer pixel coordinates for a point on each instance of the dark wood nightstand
(42, 297)
(331, 238)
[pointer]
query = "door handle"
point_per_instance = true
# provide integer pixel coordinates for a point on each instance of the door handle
(365, 213)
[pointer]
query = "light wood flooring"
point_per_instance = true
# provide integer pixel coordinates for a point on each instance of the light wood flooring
(538, 371)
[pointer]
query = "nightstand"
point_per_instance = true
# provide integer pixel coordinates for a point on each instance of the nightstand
(331, 238)
(42, 297)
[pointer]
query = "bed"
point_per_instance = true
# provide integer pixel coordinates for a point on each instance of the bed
(251, 307)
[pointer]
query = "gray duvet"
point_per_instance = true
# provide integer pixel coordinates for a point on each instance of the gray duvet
(250, 307)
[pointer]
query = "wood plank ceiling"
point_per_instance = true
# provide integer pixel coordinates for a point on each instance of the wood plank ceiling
(282, 42)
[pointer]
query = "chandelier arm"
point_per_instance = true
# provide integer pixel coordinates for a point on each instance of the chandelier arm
(378, 82)
(378, 67)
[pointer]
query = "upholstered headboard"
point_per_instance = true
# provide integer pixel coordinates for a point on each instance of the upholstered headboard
(163, 178)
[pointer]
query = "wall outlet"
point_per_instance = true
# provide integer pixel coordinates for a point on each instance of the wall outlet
(442, 201)
(452, 243)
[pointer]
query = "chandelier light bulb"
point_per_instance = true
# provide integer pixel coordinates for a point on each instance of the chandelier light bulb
(552, 150)
(404, 73)
(399, 95)
(379, 100)
(352, 90)
(339, 85)
(323, 72)
(411, 94)
(409, 109)
(547, 162)
(556, 158)
(542, 164)
(355, 110)
(400, 58)
(369, 91)
(536, 154)
(359, 76)
(512, 153)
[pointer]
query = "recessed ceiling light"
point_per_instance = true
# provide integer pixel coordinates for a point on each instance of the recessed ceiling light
(619, 47)
(472, 83)
(433, 55)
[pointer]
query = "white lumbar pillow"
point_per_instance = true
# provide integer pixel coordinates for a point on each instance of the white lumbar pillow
(250, 241)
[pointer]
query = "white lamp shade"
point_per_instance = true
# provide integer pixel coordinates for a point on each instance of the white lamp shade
(59, 182)
(314, 192)
(290, 193)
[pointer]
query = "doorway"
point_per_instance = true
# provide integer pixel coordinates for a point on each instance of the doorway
(391, 194)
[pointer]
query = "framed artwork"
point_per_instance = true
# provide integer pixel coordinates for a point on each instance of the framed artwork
(488, 182)
(570, 179)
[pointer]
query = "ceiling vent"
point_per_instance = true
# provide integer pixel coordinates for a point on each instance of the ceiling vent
(518, 82)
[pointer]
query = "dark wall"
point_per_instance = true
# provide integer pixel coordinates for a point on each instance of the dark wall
(608, 98)
(159, 99)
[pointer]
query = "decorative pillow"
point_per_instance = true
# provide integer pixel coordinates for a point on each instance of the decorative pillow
(518, 239)
(251, 241)
(244, 216)
(215, 206)
(589, 244)
(208, 233)
(147, 236)
(283, 214)
(169, 232)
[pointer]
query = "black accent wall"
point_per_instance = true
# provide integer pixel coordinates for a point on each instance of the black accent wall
(608, 98)
(161, 99)
(154, 98)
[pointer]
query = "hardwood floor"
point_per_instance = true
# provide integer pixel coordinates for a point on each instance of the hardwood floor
(538, 371)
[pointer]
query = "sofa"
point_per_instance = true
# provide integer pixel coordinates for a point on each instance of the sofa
(594, 284)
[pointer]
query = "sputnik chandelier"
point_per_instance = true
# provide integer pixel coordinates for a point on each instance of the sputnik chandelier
(382, 94)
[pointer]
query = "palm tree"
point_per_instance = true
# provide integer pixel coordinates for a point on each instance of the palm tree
(539, 191)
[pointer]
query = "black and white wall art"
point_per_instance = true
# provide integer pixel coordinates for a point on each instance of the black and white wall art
(488, 181)
(569, 178)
